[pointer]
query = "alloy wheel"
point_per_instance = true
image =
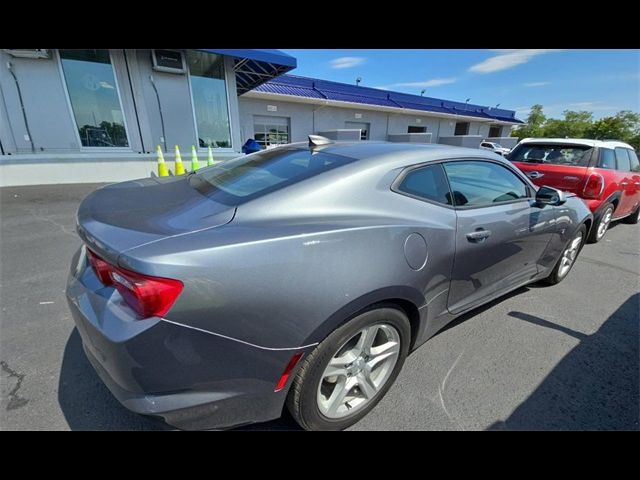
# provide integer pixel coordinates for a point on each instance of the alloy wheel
(604, 222)
(569, 255)
(358, 371)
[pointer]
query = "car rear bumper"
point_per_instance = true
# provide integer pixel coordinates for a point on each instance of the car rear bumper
(191, 378)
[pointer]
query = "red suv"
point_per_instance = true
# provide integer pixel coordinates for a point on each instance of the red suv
(606, 174)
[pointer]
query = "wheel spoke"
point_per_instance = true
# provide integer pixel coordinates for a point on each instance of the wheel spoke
(367, 337)
(340, 391)
(382, 353)
(337, 366)
(366, 385)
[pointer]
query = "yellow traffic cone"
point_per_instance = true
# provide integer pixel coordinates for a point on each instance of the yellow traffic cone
(209, 157)
(195, 165)
(162, 167)
(179, 164)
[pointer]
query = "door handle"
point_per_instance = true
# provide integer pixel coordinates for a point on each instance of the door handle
(535, 174)
(478, 236)
(624, 184)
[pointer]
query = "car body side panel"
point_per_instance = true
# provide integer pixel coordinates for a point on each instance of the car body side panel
(275, 274)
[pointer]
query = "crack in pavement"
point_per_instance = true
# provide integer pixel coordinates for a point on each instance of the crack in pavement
(15, 400)
(46, 219)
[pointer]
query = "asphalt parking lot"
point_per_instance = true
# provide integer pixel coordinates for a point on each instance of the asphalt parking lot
(564, 357)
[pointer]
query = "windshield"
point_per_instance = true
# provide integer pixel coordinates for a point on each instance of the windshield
(496, 145)
(569, 155)
(244, 178)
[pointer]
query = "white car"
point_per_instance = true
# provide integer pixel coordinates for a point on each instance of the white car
(495, 147)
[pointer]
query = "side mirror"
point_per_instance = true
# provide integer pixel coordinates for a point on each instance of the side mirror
(550, 196)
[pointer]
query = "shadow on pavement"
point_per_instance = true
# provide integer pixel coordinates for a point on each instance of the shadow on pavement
(595, 386)
(86, 402)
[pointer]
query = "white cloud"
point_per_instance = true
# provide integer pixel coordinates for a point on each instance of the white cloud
(506, 59)
(434, 82)
(536, 84)
(347, 62)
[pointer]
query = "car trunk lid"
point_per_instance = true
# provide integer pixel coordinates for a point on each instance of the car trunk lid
(122, 216)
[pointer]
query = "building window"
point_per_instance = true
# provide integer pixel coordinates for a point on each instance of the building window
(364, 129)
(494, 131)
(462, 128)
(416, 129)
(271, 130)
(93, 93)
(209, 91)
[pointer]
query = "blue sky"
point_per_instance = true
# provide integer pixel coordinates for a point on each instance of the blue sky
(601, 81)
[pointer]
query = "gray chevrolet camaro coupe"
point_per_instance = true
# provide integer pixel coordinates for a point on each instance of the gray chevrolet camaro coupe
(302, 275)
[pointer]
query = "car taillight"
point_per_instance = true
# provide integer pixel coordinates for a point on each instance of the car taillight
(101, 267)
(594, 186)
(148, 296)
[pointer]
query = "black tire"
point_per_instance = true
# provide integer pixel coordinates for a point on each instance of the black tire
(302, 398)
(593, 234)
(556, 276)
(634, 217)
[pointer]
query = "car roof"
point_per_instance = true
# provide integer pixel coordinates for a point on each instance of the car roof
(578, 141)
(397, 154)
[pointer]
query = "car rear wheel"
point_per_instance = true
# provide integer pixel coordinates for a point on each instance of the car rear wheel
(568, 257)
(634, 217)
(602, 225)
(350, 371)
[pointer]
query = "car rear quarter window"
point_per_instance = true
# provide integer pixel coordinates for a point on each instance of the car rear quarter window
(622, 159)
(633, 161)
(480, 184)
(607, 159)
(428, 183)
(247, 177)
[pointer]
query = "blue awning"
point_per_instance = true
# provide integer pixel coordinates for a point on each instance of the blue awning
(254, 67)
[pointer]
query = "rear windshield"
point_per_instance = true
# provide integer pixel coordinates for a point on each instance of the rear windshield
(244, 178)
(569, 155)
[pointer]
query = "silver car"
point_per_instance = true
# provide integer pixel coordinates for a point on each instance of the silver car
(302, 275)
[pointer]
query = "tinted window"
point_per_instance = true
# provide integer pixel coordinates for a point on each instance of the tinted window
(428, 183)
(243, 178)
(607, 159)
(568, 155)
(476, 183)
(633, 159)
(462, 128)
(622, 158)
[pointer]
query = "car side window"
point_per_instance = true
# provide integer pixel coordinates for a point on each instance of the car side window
(607, 159)
(622, 158)
(633, 161)
(427, 182)
(477, 183)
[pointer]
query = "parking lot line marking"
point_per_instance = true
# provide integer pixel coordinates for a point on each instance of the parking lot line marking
(46, 303)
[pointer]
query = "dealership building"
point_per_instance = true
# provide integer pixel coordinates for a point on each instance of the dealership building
(69, 116)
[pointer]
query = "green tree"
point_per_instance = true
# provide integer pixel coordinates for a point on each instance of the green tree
(573, 125)
(624, 126)
(533, 127)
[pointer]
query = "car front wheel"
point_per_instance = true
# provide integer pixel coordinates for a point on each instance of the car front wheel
(350, 371)
(568, 257)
